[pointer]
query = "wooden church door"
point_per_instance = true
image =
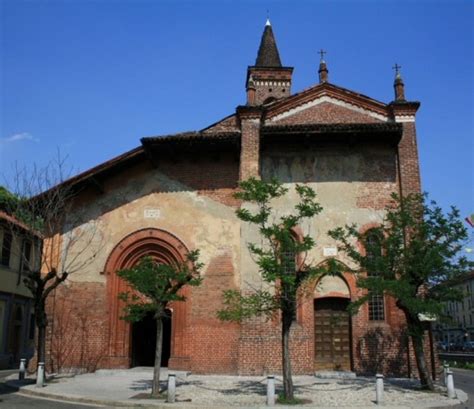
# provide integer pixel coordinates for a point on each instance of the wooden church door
(332, 335)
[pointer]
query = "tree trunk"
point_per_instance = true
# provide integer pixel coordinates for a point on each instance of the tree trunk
(415, 329)
(287, 318)
(41, 324)
(155, 392)
(41, 347)
(425, 378)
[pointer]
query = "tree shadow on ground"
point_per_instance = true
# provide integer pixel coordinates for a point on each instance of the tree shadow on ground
(237, 388)
(251, 387)
(390, 384)
(144, 384)
(12, 388)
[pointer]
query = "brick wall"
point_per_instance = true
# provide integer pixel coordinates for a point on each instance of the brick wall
(408, 160)
(215, 176)
(213, 343)
(250, 149)
(77, 335)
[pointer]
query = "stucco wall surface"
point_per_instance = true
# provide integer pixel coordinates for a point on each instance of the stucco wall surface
(198, 221)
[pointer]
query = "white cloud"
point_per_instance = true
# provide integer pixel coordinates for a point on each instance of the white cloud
(22, 136)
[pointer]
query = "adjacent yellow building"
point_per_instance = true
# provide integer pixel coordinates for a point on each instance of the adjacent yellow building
(18, 253)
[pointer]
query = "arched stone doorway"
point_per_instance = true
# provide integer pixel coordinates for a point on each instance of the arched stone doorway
(165, 248)
(332, 325)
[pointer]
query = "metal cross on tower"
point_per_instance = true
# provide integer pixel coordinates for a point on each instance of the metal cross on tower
(397, 67)
(322, 52)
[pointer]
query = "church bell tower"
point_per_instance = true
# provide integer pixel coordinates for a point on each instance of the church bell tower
(268, 80)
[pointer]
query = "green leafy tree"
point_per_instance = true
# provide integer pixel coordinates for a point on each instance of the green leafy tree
(8, 200)
(276, 259)
(154, 286)
(411, 257)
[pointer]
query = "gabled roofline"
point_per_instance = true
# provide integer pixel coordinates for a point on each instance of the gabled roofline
(141, 153)
(193, 142)
(217, 122)
(96, 171)
(188, 136)
(335, 91)
(106, 166)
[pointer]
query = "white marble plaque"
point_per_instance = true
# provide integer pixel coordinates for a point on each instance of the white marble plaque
(329, 251)
(151, 213)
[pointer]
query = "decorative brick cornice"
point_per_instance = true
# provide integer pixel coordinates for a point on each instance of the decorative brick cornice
(403, 111)
(386, 132)
(269, 73)
(250, 112)
(362, 128)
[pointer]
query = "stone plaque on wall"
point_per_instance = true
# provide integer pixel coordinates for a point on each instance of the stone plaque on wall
(151, 213)
(329, 251)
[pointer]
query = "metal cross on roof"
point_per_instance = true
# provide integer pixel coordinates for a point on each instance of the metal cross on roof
(322, 52)
(397, 67)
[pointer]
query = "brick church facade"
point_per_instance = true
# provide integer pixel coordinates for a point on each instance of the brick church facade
(174, 193)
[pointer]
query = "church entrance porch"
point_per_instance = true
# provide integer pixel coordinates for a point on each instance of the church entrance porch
(134, 344)
(332, 335)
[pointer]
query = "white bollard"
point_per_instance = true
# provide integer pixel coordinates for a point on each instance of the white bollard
(270, 390)
(378, 389)
(21, 373)
(450, 384)
(445, 373)
(171, 388)
(40, 375)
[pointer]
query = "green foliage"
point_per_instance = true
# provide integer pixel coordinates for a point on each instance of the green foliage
(155, 285)
(463, 365)
(276, 256)
(20, 208)
(8, 200)
(258, 303)
(282, 400)
(413, 255)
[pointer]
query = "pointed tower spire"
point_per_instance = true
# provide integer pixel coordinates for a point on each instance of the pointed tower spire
(268, 80)
(398, 84)
(323, 69)
(268, 55)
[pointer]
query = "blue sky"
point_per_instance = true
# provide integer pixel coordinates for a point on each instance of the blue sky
(92, 77)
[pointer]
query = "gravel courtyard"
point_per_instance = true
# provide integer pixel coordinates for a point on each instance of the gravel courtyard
(131, 387)
(242, 391)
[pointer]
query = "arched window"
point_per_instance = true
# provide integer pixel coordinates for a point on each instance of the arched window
(289, 255)
(269, 100)
(373, 248)
(288, 259)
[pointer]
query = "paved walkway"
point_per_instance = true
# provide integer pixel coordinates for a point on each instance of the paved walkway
(129, 388)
